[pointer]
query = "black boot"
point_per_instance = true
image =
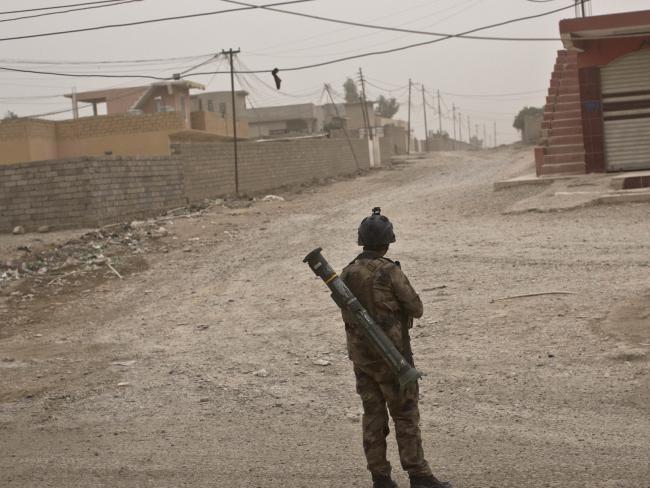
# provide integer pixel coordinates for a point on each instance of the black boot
(428, 482)
(381, 481)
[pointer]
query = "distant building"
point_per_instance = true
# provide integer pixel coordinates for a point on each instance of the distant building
(597, 115)
(283, 120)
(163, 96)
(532, 130)
(139, 121)
(212, 112)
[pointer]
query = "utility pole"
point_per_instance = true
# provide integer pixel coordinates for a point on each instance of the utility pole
(366, 116)
(230, 53)
(365, 106)
(426, 127)
(453, 107)
(495, 134)
(484, 137)
(469, 131)
(460, 127)
(408, 129)
(476, 135)
(345, 131)
(75, 104)
(439, 115)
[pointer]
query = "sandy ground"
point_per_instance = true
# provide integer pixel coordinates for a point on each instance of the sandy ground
(156, 380)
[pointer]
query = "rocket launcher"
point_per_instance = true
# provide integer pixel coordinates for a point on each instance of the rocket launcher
(343, 297)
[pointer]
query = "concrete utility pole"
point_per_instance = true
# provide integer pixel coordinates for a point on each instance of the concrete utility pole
(453, 108)
(364, 107)
(426, 128)
(453, 112)
(366, 116)
(469, 131)
(460, 127)
(75, 104)
(484, 137)
(230, 53)
(439, 115)
(345, 131)
(495, 134)
(408, 125)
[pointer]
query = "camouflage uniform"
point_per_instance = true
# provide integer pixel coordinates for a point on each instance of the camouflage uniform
(383, 289)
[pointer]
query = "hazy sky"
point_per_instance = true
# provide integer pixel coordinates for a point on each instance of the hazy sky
(485, 79)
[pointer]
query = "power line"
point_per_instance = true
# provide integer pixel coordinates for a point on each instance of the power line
(115, 3)
(92, 63)
(56, 7)
(80, 75)
(407, 31)
(408, 46)
(150, 21)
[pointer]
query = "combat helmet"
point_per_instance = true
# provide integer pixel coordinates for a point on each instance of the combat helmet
(376, 230)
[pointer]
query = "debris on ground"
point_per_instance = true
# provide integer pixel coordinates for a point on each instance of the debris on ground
(272, 198)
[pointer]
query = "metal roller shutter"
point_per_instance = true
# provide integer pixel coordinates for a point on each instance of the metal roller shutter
(626, 112)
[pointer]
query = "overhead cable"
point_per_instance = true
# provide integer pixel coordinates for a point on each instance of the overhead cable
(410, 31)
(56, 7)
(150, 21)
(408, 46)
(112, 4)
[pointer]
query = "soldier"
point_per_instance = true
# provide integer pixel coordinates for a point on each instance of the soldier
(385, 292)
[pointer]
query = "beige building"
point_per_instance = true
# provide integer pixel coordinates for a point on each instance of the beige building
(139, 121)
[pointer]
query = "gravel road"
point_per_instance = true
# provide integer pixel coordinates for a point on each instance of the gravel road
(201, 368)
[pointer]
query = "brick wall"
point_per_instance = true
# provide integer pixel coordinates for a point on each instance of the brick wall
(97, 191)
(87, 127)
(209, 168)
(87, 192)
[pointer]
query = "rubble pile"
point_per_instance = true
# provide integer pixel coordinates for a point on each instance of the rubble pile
(95, 252)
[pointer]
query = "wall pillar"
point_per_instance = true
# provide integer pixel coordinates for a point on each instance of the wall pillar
(591, 103)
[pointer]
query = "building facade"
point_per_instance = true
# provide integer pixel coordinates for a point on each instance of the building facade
(597, 115)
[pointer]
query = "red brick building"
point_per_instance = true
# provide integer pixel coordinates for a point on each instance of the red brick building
(597, 113)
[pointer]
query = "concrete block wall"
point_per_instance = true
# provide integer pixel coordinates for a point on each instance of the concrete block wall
(87, 127)
(101, 190)
(87, 191)
(209, 167)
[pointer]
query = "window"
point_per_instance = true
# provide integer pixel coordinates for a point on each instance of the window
(210, 106)
(159, 104)
(200, 105)
(222, 109)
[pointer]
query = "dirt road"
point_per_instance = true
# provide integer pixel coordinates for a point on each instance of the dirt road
(198, 370)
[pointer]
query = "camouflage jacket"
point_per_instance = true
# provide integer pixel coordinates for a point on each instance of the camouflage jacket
(385, 292)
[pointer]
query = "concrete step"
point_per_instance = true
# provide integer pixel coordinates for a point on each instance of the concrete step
(569, 158)
(565, 82)
(565, 140)
(558, 92)
(578, 168)
(570, 98)
(565, 76)
(563, 131)
(561, 124)
(566, 114)
(555, 149)
(562, 107)
(632, 180)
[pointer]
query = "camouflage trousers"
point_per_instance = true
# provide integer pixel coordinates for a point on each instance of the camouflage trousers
(403, 407)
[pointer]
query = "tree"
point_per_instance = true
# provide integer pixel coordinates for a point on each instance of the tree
(351, 91)
(519, 119)
(387, 107)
